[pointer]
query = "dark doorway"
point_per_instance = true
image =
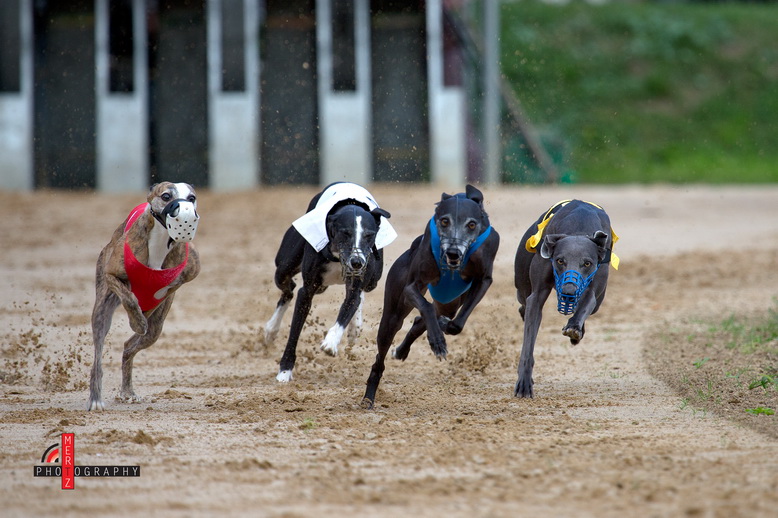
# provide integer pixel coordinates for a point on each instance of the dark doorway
(400, 106)
(64, 97)
(288, 93)
(178, 93)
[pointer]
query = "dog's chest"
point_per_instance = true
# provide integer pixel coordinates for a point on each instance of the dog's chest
(332, 273)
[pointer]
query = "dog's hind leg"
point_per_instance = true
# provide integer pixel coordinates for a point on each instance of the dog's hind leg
(288, 262)
(387, 329)
(137, 343)
(274, 324)
(355, 326)
(102, 315)
(417, 329)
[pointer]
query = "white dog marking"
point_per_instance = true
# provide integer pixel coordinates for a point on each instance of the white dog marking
(284, 376)
(274, 324)
(359, 232)
(158, 239)
(96, 405)
(330, 343)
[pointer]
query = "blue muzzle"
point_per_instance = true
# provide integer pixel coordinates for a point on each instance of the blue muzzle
(567, 304)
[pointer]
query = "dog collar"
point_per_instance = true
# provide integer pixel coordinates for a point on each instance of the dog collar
(534, 240)
(146, 282)
(451, 285)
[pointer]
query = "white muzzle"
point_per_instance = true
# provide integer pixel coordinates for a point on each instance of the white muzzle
(181, 221)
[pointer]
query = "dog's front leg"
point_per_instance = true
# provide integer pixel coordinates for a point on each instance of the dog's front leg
(347, 310)
(138, 321)
(413, 293)
(302, 307)
(574, 329)
(472, 298)
(532, 316)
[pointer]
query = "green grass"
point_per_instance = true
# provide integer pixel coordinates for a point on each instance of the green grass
(649, 92)
(729, 366)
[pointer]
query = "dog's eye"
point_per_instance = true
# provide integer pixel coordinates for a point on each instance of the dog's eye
(471, 225)
(587, 264)
(191, 198)
(560, 262)
(165, 196)
(444, 222)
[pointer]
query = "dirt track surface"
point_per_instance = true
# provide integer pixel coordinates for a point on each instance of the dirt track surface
(216, 434)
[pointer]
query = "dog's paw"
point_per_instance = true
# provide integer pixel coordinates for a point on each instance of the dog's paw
(128, 397)
(448, 326)
(268, 336)
(367, 404)
(139, 324)
(400, 353)
(438, 346)
(330, 343)
(574, 333)
(284, 376)
(95, 404)
(523, 387)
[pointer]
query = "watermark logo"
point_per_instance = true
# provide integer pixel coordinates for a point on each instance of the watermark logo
(59, 461)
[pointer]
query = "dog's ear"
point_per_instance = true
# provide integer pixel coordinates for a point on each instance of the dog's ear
(600, 239)
(474, 194)
(378, 212)
(445, 196)
(548, 244)
(153, 186)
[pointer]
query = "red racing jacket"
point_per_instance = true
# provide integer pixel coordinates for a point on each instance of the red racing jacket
(145, 282)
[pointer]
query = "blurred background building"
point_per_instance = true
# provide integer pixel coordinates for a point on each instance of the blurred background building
(234, 94)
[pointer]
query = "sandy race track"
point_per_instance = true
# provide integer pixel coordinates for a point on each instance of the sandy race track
(217, 435)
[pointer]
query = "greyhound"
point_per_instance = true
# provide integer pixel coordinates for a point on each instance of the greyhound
(453, 259)
(339, 240)
(575, 239)
(149, 257)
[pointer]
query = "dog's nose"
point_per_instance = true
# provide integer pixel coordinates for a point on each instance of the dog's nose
(569, 289)
(356, 262)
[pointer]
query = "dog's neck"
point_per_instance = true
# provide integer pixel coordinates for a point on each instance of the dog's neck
(158, 244)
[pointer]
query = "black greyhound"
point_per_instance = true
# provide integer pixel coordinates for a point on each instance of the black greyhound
(453, 259)
(575, 238)
(338, 241)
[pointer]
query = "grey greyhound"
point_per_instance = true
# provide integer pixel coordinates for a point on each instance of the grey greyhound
(575, 239)
(452, 260)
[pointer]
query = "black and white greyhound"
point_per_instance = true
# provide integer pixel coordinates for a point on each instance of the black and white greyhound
(339, 240)
(453, 259)
(575, 239)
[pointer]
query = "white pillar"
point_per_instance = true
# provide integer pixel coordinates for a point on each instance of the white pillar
(122, 117)
(345, 124)
(448, 147)
(233, 116)
(16, 115)
(491, 85)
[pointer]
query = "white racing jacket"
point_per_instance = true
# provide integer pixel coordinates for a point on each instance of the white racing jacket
(313, 225)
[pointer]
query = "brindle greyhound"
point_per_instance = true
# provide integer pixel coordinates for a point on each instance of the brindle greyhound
(148, 258)
(453, 260)
(339, 240)
(575, 238)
